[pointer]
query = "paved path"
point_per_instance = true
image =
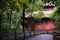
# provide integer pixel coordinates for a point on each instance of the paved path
(42, 37)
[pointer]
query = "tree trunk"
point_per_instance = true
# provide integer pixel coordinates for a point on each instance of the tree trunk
(24, 20)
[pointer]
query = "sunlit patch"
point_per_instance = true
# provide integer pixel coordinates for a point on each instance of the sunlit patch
(47, 11)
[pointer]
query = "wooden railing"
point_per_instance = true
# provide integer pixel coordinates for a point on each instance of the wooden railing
(20, 35)
(56, 35)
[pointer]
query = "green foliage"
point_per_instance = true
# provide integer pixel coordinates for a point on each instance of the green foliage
(57, 13)
(15, 18)
(46, 1)
(11, 11)
(56, 2)
(56, 16)
(20, 28)
(35, 6)
(39, 15)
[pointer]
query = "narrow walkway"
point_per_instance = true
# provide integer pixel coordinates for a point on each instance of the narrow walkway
(42, 37)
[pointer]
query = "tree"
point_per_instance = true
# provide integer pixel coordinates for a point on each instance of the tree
(39, 15)
(56, 16)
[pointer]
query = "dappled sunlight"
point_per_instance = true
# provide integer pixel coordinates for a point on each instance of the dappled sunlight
(47, 11)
